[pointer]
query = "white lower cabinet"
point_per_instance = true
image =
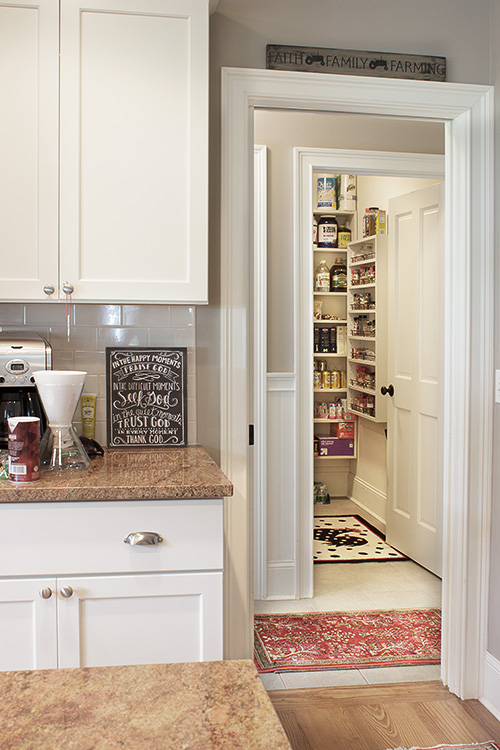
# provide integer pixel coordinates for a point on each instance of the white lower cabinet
(28, 624)
(150, 604)
(143, 619)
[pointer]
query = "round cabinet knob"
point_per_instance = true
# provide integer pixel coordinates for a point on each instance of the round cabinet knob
(49, 289)
(387, 390)
(67, 592)
(68, 288)
(46, 592)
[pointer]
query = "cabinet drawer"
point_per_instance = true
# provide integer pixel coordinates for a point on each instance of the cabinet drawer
(43, 539)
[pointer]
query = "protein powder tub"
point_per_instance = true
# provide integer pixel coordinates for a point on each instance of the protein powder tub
(327, 231)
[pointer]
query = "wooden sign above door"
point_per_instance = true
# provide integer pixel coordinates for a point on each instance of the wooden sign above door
(355, 62)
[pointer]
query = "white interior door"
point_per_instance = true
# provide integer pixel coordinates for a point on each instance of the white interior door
(414, 415)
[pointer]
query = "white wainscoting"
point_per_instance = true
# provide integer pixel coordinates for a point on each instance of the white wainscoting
(280, 576)
(491, 685)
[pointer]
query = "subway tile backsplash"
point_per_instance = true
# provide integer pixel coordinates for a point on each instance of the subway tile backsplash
(93, 328)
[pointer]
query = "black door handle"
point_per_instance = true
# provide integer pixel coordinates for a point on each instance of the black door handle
(389, 390)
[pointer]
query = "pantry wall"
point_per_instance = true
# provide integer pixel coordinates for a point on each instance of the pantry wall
(364, 478)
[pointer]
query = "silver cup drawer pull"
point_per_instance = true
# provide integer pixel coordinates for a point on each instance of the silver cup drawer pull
(143, 538)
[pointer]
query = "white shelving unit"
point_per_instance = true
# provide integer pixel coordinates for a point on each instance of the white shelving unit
(334, 305)
(367, 327)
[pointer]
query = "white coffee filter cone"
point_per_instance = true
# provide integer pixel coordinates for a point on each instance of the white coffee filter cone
(59, 391)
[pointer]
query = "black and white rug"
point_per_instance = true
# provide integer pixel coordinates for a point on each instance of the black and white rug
(350, 539)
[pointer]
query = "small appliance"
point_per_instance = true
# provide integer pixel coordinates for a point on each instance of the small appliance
(22, 354)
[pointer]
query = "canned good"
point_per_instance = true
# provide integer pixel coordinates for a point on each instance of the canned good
(322, 410)
(24, 449)
(326, 379)
(335, 379)
(343, 379)
(317, 380)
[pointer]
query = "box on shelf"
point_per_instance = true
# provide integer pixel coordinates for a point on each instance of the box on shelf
(333, 446)
(342, 430)
(348, 416)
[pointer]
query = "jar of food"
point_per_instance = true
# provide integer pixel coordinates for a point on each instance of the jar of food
(344, 236)
(338, 276)
(327, 231)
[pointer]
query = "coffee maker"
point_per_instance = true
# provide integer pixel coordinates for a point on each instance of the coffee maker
(21, 354)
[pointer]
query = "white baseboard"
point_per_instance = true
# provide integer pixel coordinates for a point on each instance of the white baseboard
(369, 498)
(281, 580)
(491, 687)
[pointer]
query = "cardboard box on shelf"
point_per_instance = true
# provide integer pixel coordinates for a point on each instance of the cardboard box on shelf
(333, 446)
(342, 430)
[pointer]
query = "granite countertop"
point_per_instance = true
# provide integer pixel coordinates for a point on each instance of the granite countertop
(128, 474)
(194, 706)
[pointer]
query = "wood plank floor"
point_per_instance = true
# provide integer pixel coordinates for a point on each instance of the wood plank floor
(377, 717)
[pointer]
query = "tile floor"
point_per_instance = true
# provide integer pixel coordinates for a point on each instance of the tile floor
(359, 586)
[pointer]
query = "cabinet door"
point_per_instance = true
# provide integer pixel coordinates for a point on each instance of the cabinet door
(134, 132)
(29, 92)
(27, 624)
(142, 619)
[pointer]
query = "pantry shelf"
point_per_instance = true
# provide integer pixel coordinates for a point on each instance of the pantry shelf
(367, 402)
(328, 421)
(335, 458)
(330, 390)
(330, 294)
(320, 321)
(330, 333)
(325, 355)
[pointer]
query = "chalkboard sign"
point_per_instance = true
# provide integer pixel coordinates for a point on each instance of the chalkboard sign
(146, 395)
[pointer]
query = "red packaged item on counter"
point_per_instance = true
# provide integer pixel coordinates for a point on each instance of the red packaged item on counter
(24, 449)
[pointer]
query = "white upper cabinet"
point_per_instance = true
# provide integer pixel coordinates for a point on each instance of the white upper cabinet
(133, 181)
(29, 96)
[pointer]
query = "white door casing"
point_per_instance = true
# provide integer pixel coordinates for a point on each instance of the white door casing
(467, 111)
(414, 369)
(306, 161)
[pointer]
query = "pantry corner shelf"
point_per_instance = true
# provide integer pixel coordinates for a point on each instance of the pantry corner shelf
(363, 364)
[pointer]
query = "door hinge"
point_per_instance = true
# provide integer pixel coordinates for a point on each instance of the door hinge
(251, 440)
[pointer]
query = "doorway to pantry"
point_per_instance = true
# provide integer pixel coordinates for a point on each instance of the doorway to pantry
(467, 113)
(277, 574)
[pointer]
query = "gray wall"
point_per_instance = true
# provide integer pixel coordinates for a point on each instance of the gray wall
(462, 31)
(239, 31)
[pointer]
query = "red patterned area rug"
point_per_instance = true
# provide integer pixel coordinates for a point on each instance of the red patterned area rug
(489, 745)
(347, 640)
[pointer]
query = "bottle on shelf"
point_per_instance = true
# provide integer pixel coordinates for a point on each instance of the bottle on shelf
(369, 221)
(338, 276)
(322, 277)
(344, 237)
(328, 232)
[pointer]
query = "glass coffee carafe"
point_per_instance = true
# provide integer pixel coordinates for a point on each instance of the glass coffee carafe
(60, 391)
